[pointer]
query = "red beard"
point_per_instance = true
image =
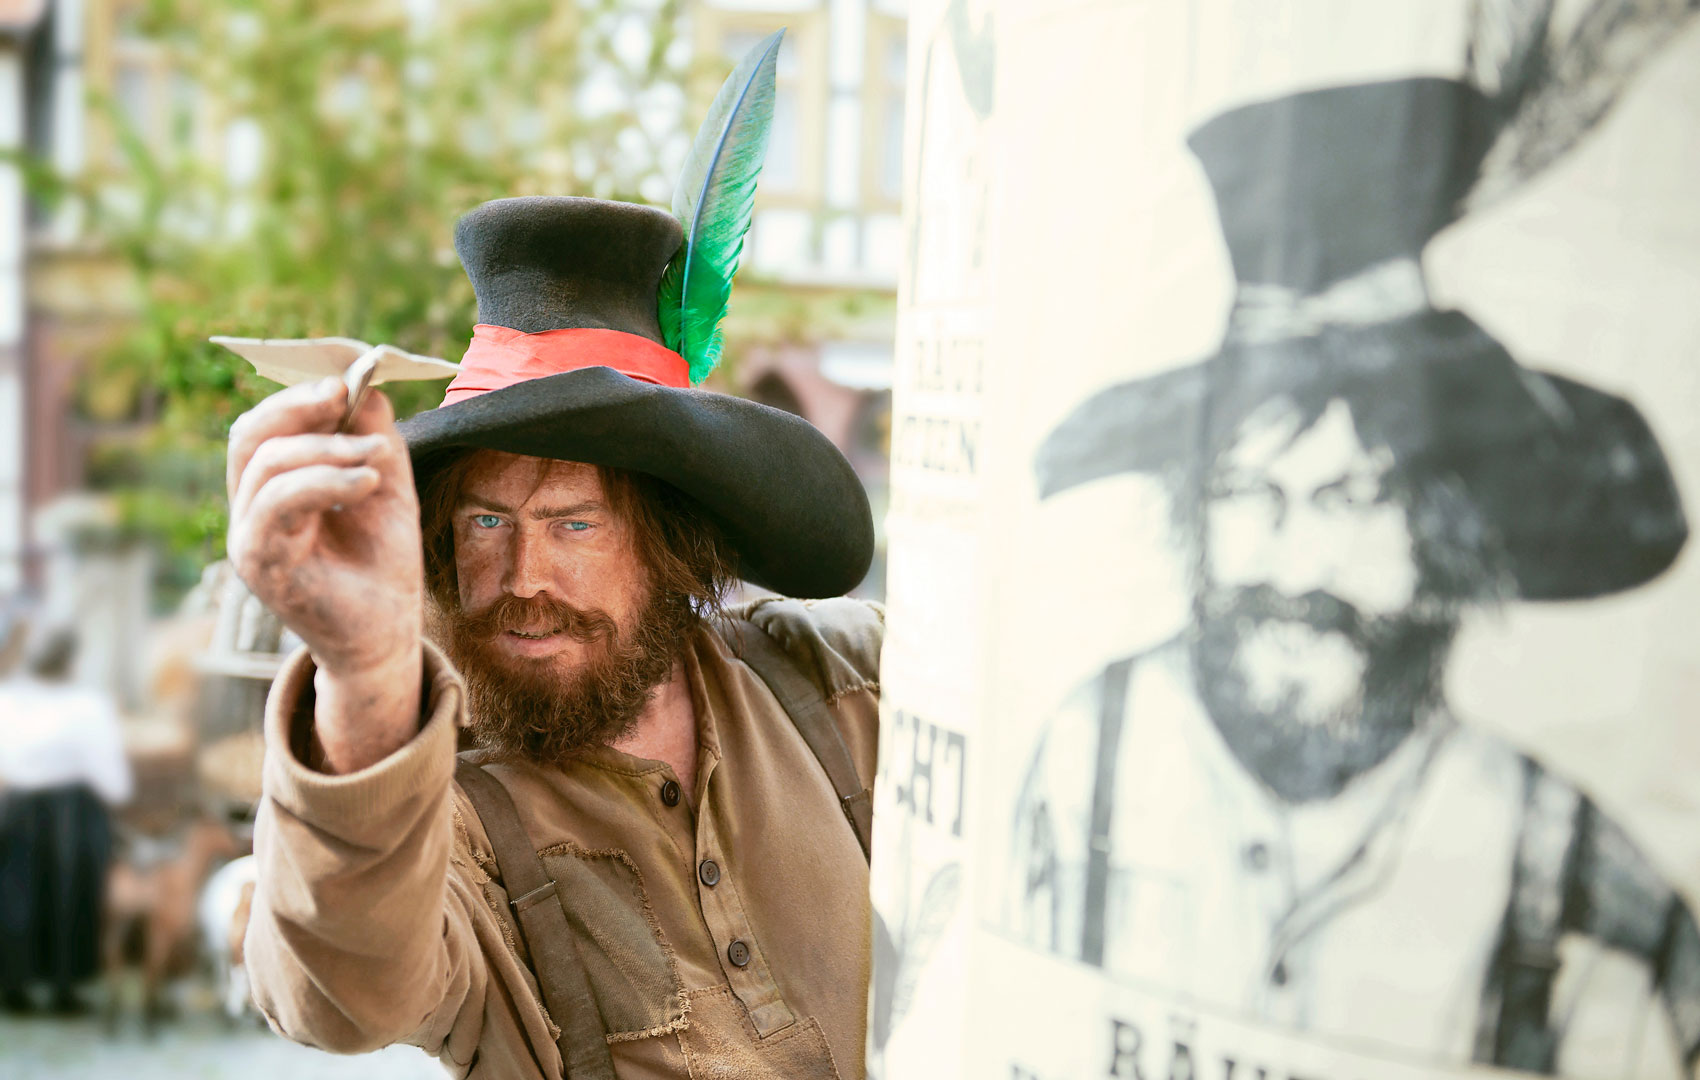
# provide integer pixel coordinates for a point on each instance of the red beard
(538, 711)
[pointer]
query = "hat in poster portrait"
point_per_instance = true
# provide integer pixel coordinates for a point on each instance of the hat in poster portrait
(1326, 200)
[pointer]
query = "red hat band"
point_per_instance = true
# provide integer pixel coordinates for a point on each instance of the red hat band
(500, 357)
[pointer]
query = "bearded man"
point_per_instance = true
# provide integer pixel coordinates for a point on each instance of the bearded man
(1278, 814)
(644, 867)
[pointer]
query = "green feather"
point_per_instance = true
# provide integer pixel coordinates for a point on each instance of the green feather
(714, 201)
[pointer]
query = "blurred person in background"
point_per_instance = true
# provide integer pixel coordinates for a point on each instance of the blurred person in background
(62, 770)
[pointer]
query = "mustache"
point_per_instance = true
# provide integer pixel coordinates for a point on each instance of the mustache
(539, 614)
(1320, 611)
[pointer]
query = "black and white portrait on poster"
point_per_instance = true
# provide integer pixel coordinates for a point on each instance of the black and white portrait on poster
(1279, 813)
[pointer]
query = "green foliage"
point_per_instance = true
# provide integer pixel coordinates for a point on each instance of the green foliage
(321, 153)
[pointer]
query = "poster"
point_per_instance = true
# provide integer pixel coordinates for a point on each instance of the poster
(1290, 668)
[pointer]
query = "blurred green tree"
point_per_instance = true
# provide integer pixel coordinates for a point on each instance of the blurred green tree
(319, 154)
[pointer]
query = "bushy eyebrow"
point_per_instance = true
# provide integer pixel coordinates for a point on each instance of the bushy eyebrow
(540, 513)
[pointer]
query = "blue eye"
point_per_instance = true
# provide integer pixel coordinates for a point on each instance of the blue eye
(578, 526)
(486, 521)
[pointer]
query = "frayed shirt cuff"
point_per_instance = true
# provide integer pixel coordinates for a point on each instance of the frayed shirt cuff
(423, 766)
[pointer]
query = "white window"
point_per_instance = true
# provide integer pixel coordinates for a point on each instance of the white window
(783, 170)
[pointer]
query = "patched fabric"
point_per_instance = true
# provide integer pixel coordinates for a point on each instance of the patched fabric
(721, 1044)
(837, 641)
(631, 969)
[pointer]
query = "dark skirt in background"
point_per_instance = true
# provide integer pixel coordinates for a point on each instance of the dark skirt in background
(55, 844)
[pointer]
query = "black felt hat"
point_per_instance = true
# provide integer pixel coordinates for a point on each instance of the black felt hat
(1564, 484)
(568, 363)
(1316, 186)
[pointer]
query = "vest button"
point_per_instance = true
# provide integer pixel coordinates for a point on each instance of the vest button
(670, 793)
(738, 953)
(709, 871)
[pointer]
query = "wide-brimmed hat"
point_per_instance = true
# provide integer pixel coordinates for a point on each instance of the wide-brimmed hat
(567, 362)
(596, 321)
(1564, 484)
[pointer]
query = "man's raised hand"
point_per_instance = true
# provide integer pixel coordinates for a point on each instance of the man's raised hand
(324, 529)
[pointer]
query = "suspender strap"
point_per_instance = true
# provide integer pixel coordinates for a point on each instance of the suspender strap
(802, 701)
(1111, 714)
(543, 923)
(1518, 1027)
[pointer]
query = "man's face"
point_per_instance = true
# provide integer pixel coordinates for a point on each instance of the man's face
(540, 530)
(1309, 511)
(556, 630)
(1307, 658)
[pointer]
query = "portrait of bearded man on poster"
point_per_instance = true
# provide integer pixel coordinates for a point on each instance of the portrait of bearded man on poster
(1278, 813)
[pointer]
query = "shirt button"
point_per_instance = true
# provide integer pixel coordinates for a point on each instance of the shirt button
(670, 793)
(1279, 975)
(1257, 856)
(709, 871)
(738, 953)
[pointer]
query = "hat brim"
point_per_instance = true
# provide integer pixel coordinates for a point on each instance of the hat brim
(787, 501)
(1569, 480)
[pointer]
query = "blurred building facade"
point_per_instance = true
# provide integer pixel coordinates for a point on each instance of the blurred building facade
(826, 242)
(60, 301)
(18, 19)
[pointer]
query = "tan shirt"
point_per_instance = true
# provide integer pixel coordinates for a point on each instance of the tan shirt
(380, 916)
